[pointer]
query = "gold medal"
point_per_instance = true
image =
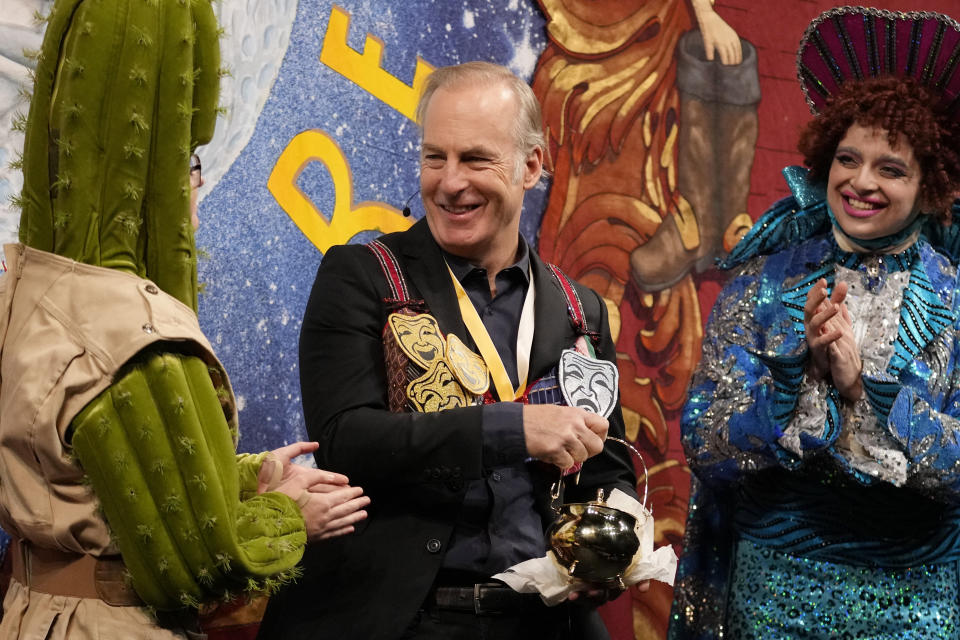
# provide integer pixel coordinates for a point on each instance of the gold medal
(436, 390)
(419, 338)
(467, 366)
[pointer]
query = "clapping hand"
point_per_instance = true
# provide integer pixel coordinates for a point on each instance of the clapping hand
(833, 348)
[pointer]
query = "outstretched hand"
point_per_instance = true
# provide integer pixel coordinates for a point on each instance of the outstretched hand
(328, 514)
(279, 469)
(330, 506)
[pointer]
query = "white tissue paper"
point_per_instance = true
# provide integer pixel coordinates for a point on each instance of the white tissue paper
(550, 579)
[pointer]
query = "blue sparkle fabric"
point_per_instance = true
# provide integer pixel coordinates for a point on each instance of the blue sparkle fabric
(797, 543)
(788, 597)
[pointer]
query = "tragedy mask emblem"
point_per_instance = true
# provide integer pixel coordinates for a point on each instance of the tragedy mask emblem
(588, 383)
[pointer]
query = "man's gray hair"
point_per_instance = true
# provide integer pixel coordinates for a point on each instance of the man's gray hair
(527, 126)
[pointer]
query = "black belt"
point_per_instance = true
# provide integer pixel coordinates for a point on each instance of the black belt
(487, 599)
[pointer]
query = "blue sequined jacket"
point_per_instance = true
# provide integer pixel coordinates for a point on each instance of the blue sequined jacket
(783, 461)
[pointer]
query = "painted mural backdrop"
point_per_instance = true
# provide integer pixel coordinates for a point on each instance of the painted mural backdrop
(660, 161)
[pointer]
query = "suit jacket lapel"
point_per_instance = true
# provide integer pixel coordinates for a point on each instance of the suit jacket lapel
(427, 271)
(553, 332)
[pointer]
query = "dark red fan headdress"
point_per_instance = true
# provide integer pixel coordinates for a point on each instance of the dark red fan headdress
(852, 43)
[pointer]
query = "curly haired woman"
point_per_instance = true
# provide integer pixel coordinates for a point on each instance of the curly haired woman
(823, 423)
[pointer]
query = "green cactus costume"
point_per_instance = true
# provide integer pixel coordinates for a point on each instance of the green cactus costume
(124, 90)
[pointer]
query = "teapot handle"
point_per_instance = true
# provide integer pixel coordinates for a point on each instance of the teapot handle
(646, 477)
(555, 489)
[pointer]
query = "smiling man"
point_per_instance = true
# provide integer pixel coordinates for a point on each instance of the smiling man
(457, 451)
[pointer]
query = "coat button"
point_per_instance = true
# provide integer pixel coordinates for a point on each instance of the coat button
(496, 476)
(433, 545)
(148, 328)
(152, 288)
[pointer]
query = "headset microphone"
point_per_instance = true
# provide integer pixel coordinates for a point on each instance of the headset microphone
(406, 205)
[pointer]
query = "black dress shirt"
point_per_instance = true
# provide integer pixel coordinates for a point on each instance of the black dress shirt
(498, 526)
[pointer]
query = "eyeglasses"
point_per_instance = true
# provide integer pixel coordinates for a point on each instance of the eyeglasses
(196, 175)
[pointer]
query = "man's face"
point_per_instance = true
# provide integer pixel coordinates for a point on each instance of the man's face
(468, 180)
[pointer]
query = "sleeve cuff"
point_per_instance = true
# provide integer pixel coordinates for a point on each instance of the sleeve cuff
(787, 372)
(503, 439)
(248, 466)
(789, 378)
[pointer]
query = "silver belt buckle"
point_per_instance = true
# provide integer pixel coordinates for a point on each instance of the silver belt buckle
(476, 598)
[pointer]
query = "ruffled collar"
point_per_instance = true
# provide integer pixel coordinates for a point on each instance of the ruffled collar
(874, 267)
(891, 262)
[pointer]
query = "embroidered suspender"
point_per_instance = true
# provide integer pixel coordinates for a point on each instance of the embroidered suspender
(400, 295)
(578, 319)
(396, 362)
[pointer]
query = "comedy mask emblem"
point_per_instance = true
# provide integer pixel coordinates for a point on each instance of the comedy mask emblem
(436, 390)
(588, 383)
(419, 338)
(468, 367)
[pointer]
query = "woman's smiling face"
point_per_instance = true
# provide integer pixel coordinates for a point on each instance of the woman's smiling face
(873, 188)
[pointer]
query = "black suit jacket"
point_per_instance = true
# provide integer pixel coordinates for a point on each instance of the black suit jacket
(368, 585)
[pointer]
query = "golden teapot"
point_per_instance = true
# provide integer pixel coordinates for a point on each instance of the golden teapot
(594, 542)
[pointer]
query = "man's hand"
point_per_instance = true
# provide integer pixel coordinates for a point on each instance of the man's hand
(278, 468)
(562, 436)
(330, 506)
(597, 596)
(331, 513)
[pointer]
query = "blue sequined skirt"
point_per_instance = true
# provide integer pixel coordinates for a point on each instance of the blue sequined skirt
(774, 595)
